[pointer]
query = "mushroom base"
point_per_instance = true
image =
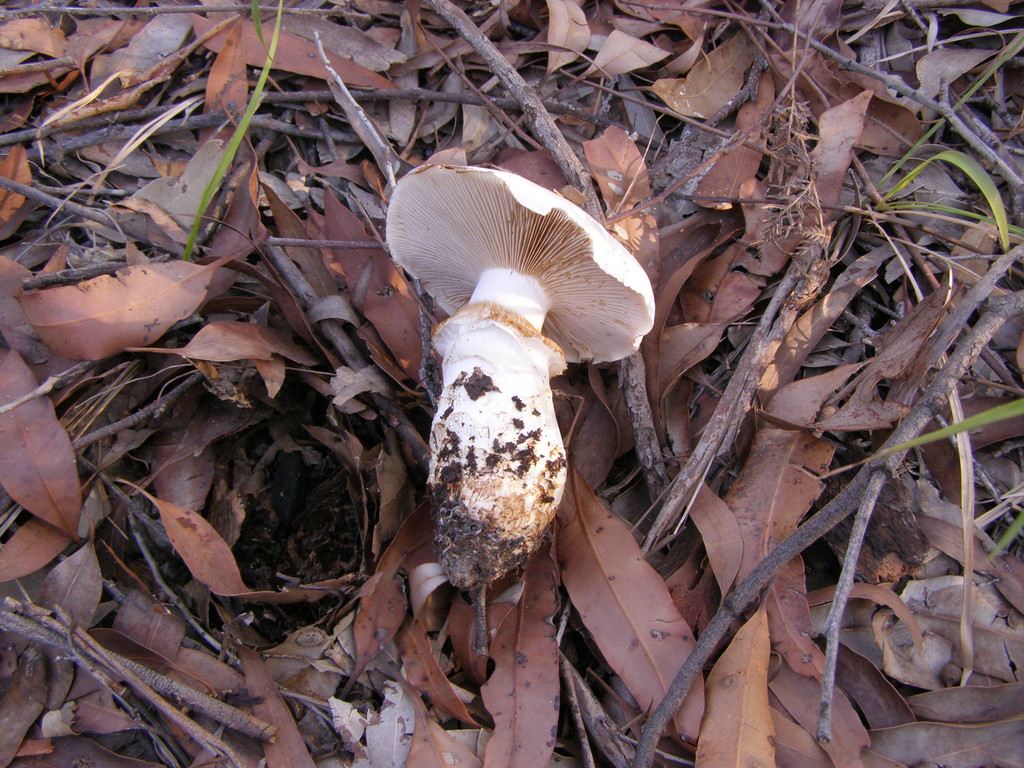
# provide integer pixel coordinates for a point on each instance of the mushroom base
(497, 465)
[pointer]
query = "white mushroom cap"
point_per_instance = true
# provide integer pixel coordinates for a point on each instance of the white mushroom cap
(447, 225)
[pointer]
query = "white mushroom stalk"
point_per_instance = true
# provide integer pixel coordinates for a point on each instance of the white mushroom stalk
(530, 281)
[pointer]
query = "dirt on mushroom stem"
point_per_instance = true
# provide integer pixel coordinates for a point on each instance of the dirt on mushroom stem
(498, 465)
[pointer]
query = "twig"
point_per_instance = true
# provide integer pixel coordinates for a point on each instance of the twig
(302, 242)
(537, 116)
(51, 383)
(386, 158)
(735, 402)
(41, 9)
(30, 621)
(634, 389)
(38, 66)
(56, 203)
(152, 411)
(749, 590)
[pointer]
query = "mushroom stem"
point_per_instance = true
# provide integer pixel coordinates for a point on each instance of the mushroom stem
(498, 464)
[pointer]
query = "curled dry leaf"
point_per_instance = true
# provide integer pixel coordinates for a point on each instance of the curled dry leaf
(567, 29)
(621, 53)
(101, 317)
(624, 603)
(37, 463)
(712, 82)
(222, 341)
(737, 727)
(522, 693)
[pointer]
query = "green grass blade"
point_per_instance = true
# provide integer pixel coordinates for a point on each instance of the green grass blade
(976, 173)
(236, 138)
(999, 413)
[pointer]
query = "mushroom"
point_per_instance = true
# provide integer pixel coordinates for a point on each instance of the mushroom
(530, 281)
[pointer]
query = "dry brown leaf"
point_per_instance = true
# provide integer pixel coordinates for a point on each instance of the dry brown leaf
(383, 605)
(75, 585)
(813, 324)
(712, 82)
(166, 207)
(227, 89)
(101, 317)
(970, 704)
(839, 129)
(721, 537)
(287, 747)
(898, 348)
(775, 489)
(33, 35)
(621, 53)
(37, 462)
(375, 286)
(724, 179)
(944, 65)
(875, 696)
(618, 166)
(22, 703)
(423, 672)
(789, 619)
(294, 54)
(433, 747)
(800, 695)
(522, 692)
(568, 29)
(71, 751)
(624, 604)
(13, 166)
(149, 47)
(223, 341)
(32, 546)
(998, 628)
(148, 623)
(953, 746)
(206, 554)
(794, 746)
(737, 728)
(1006, 569)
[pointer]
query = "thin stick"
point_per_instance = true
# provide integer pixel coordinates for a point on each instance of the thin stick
(480, 607)
(51, 383)
(834, 622)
